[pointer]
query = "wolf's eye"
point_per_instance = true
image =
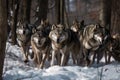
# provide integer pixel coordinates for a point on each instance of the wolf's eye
(55, 33)
(96, 31)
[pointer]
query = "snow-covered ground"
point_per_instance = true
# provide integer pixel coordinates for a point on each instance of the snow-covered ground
(15, 69)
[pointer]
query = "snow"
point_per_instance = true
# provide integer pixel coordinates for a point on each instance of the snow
(16, 69)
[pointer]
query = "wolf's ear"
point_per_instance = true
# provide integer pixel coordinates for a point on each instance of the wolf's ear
(54, 26)
(42, 22)
(82, 22)
(75, 21)
(96, 26)
(47, 21)
(63, 27)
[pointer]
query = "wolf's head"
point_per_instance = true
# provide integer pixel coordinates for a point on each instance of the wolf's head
(40, 39)
(58, 34)
(98, 33)
(24, 32)
(75, 26)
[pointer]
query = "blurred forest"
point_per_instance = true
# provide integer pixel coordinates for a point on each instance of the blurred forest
(105, 12)
(62, 11)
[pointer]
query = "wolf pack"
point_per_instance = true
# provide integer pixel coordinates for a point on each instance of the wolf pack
(84, 44)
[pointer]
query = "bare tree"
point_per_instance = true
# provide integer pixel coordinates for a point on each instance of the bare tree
(58, 11)
(3, 33)
(60, 5)
(105, 13)
(26, 7)
(115, 16)
(28, 10)
(42, 11)
(14, 18)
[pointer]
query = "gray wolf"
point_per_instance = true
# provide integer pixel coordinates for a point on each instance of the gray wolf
(24, 32)
(41, 44)
(63, 42)
(91, 38)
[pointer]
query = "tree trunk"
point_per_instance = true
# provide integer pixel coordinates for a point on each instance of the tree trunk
(105, 13)
(26, 5)
(60, 11)
(3, 33)
(66, 18)
(8, 17)
(62, 6)
(28, 10)
(15, 8)
(43, 10)
(115, 16)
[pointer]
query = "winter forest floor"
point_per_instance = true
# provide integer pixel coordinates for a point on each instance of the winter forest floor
(16, 69)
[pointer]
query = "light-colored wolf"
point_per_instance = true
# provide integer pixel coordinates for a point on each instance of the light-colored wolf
(64, 41)
(24, 32)
(92, 40)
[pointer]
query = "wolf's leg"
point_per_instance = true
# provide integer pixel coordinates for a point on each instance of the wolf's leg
(44, 56)
(87, 60)
(64, 57)
(23, 47)
(39, 55)
(106, 60)
(27, 52)
(58, 57)
(53, 57)
(73, 57)
(109, 57)
(67, 58)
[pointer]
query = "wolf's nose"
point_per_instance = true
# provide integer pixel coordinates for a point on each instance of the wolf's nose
(58, 40)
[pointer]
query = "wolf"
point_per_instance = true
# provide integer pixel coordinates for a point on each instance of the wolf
(63, 42)
(78, 28)
(91, 38)
(115, 47)
(103, 50)
(41, 44)
(24, 32)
